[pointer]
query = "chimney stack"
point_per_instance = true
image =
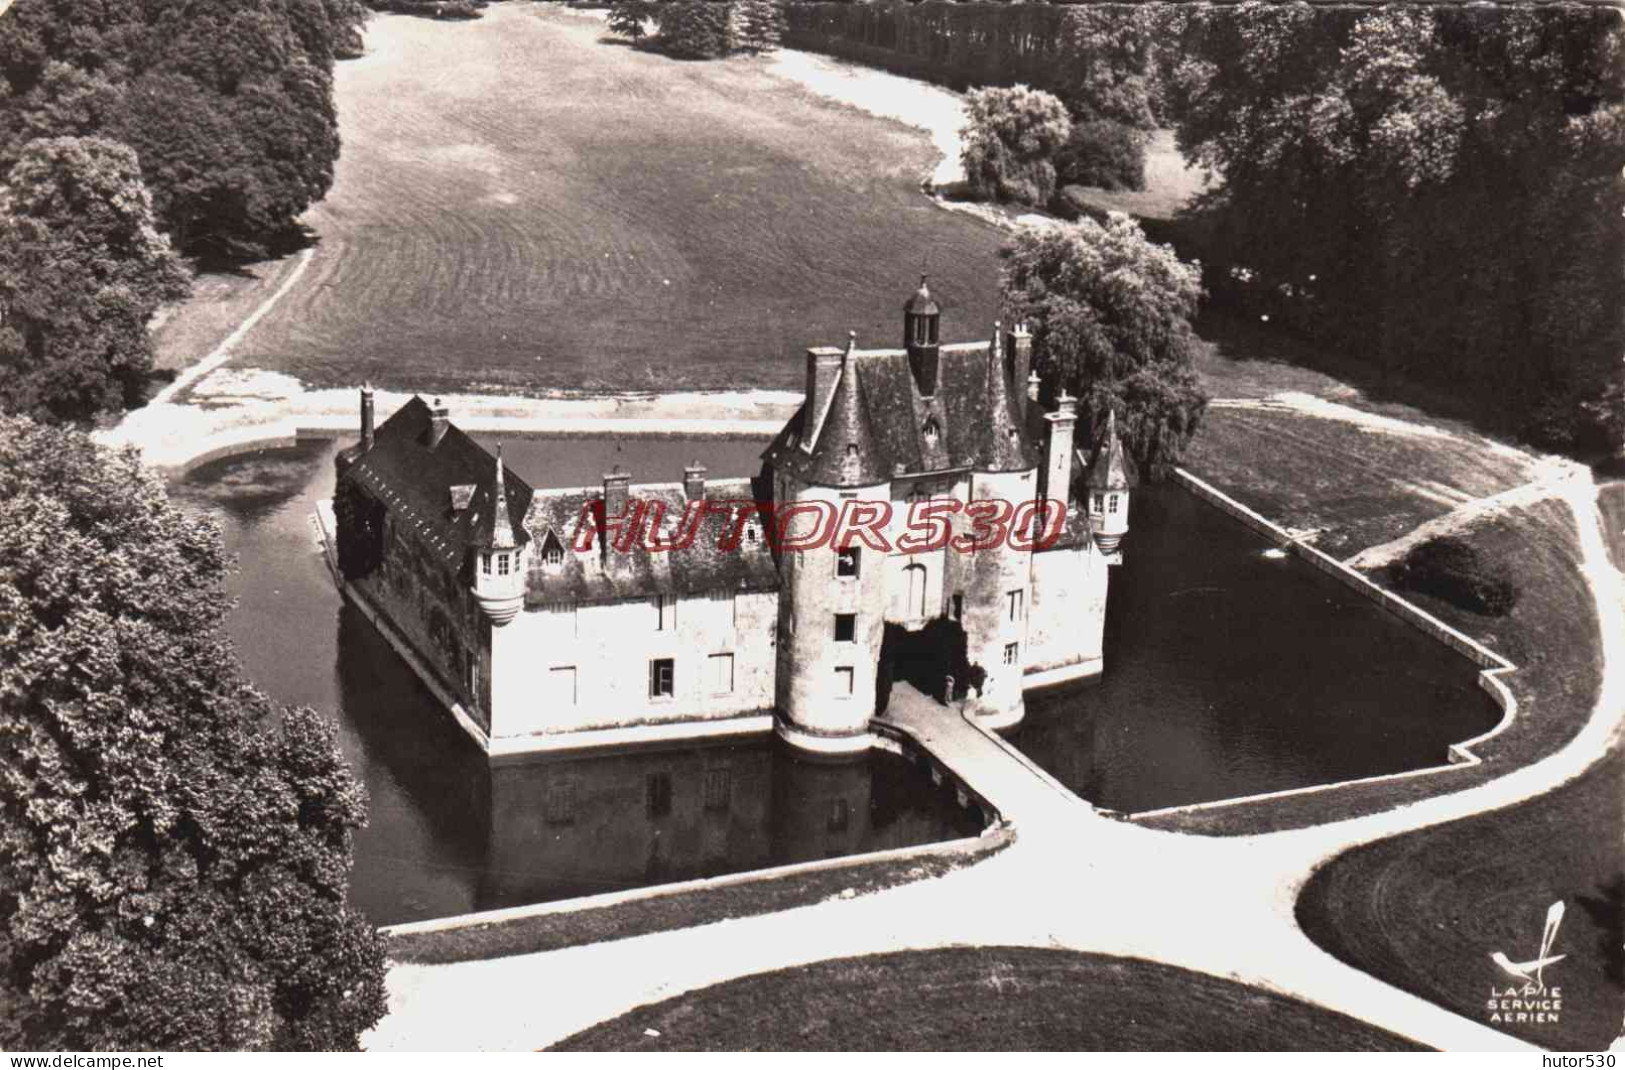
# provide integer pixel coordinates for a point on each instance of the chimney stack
(439, 421)
(616, 486)
(1020, 345)
(1058, 467)
(366, 416)
(1032, 386)
(694, 482)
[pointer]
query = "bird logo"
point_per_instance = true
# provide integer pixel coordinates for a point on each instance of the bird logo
(1533, 971)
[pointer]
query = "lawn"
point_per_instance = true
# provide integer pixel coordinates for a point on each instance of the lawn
(1424, 911)
(523, 207)
(982, 999)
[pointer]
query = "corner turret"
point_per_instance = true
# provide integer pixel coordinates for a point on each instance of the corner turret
(1111, 479)
(499, 568)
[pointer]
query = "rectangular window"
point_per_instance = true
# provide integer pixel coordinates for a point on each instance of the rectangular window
(474, 676)
(1096, 502)
(840, 815)
(502, 564)
(1012, 653)
(1016, 600)
(561, 685)
(846, 627)
(657, 794)
(560, 806)
(485, 564)
(721, 674)
(848, 561)
(553, 555)
(845, 678)
(1111, 504)
(662, 680)
(665, 607)
(718, 790)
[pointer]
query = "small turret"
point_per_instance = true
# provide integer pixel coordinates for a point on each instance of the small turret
(499, 572)
(921, 322)
(1111, 480)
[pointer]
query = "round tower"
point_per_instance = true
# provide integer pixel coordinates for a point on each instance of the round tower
(1000, 577)
(499, 561)
(832, 600)
(1111, 481)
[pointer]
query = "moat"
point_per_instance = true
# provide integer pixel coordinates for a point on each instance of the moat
(1229, 673)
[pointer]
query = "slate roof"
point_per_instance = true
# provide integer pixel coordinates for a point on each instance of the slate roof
(969, 420)
(1112, 468)
(603, 574)
(413, 476)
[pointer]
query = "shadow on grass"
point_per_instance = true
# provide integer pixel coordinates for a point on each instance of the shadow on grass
(240, 258)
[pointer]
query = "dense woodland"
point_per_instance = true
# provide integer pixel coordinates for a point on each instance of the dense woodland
(225, 111)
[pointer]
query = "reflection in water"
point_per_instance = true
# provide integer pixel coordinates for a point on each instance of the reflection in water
(448, 834)
(1231, 673)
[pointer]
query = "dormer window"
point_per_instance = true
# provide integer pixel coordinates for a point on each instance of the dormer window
(1111, 504)
(552, 551)
(502, 564)
(931, 433)
(485, 564)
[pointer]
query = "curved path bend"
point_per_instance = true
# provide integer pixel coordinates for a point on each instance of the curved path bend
(1073, 879)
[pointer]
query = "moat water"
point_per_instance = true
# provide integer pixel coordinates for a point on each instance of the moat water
(1230, 673)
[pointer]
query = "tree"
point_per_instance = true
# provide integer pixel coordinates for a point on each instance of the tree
(82, 270)
(697, 29)
(626, 19)
(1010, 141)
(229, 106)
(174, 849)
(1434, 187)
(1110, 316)
(761, 24)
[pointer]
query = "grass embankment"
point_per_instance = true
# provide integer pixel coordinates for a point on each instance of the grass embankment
(550, 211)
(1424, 911)
(681, 910)
(982, 999)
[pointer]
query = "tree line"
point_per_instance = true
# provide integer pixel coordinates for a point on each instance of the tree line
(132, 135)
(1430, 192)
(700, 29)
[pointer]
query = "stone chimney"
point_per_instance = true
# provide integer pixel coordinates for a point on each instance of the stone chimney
(616, 486)
(439, 421)
(366, 416)
(1058, 462)
(1032, 387)
(694, 482)
(1019, 343)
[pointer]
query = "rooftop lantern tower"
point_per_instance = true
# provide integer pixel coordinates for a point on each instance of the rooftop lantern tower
(921, 322)
(1111, 479)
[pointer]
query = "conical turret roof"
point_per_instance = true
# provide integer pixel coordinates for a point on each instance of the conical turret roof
(501, 526)
(922, 303)
(1003, 445)
(1112, 469)
(845, 454)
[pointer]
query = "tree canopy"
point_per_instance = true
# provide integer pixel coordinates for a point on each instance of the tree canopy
(174, 848)
(82, 269)
(229, 106)
(1009, 143)
(1110, 316)
(1434, 188)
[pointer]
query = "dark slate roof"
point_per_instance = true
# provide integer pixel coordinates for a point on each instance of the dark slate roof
(845, 454)
(414, 476)
(1112, 468)
(922, 303)
(600, 575)
(1004, 447)
(962, 414)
